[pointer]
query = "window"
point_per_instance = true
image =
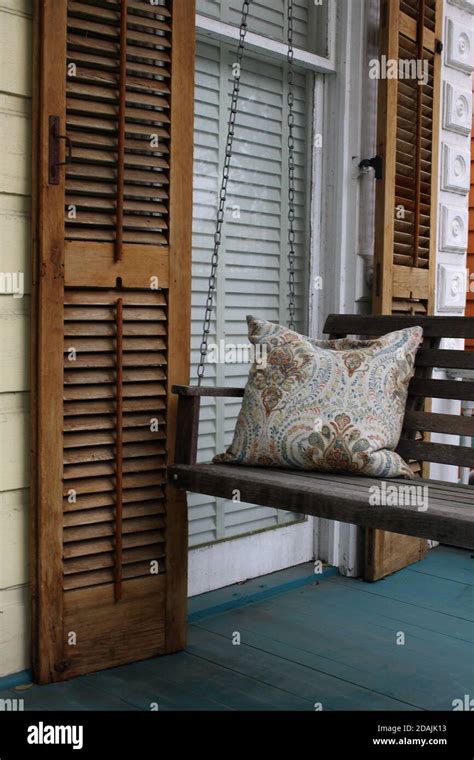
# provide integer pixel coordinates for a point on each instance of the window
(252, 274)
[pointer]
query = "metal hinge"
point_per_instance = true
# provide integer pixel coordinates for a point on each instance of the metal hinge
(53, 159)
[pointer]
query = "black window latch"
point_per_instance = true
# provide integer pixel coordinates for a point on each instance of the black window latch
(375, 163)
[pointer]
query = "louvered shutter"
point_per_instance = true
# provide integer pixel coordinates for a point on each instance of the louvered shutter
(112, 262)
(406, 202)
(408, 128)
(252, 276)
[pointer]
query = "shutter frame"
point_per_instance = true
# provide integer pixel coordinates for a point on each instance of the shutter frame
(179, 306)
(49, 607)
(150, 617)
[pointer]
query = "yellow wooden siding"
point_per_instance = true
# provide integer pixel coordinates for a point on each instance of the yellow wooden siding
(14, 540)
(15, 205)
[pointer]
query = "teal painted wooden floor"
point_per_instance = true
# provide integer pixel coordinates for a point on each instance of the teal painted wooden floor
(301, 643)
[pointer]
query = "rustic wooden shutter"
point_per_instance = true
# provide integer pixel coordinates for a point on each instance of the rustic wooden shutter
(406, 202)
(112, 240)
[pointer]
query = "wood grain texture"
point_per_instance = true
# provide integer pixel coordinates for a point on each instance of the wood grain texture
(187, 429)
(445, 358)
(386, 552)
(34, 364)
(408, 29)
(301, 492)
(409, 283)
(444, 453)
(202, 391)
(386, 146)
(179, 309)
(451, 424)
(113, 632)
(433, 327)
(87, 466)
(50, 252)
(93, 265)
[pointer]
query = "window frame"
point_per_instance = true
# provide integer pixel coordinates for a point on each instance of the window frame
(270, 48)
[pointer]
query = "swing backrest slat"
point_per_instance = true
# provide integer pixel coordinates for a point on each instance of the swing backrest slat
(455, 382)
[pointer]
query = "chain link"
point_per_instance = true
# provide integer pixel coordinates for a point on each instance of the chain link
(291, 175)
(222, 196)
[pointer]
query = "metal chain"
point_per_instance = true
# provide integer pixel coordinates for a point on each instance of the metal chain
(222, 196)
(291, 175)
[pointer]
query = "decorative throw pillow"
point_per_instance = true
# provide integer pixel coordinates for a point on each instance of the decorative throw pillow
(330, 405)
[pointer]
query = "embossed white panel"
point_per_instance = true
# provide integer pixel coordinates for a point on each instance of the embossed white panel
(451, 287)
(467, 5)
(453, 229)
(455, 169)
(457, 109)
(459, 46)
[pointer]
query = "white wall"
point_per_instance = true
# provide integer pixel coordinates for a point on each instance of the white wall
(15, 128)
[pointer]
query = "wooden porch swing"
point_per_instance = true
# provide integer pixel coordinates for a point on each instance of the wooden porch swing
(448, 516)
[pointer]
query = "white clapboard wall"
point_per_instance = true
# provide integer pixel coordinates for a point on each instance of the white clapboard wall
(252, 276)
(15, 253)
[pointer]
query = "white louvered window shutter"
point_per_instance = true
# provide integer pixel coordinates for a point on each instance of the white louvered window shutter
(269, 18)
(252, 276)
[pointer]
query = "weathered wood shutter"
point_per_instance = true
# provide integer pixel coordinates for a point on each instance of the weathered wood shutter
(406, 200)
(112, 241)
(404, 272)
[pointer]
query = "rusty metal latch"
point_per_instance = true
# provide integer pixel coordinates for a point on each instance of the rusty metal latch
(53, 160)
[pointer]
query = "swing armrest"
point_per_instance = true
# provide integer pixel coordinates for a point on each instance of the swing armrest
(187, 427)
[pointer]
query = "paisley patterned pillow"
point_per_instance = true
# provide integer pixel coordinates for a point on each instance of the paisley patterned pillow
(330, 405)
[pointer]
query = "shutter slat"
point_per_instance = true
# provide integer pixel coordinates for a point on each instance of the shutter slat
(93, 219)
(74, 471)
(71, 393)
(105, 453)
(130, 496)
(88, 563)
(107, 204)
(103, 406)
(106, 528)
(92, 328)
(101, 545)
(106, 514)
